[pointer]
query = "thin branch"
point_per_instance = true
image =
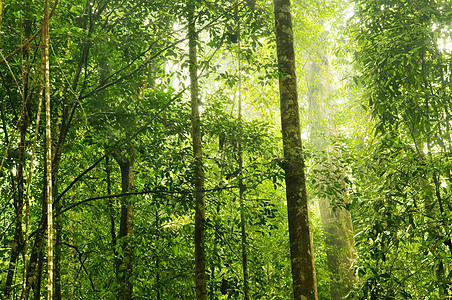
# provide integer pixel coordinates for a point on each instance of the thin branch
(82, 263)
(29, 40)
(103, 85)
(119, 144)
(141, 193)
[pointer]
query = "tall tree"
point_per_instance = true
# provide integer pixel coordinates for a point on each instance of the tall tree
(300, 236)
(198, 173)
(21, 160)
(330, 178)
(49, 190)
(126, 160)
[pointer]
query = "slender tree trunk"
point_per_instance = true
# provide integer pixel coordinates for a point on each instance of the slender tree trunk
(18, 240)
(157, 254)
(45, 58)
(300, 236)
(337, 223)
(111, 209)
(126, 163)
(34, 266)
(241, 186)
(33, 272)
(200, 259)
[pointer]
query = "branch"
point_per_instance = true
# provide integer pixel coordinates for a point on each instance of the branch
(147, 192)
(103, 85)
(82, 263)
(115, 196)
(119, 144)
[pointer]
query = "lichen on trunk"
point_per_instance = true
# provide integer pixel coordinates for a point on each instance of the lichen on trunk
(300, 236)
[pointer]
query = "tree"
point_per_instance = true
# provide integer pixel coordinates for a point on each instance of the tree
(45, 70)
(119, 92)
(126, 161)
(198, 173)
(329, 176)
(301, 248)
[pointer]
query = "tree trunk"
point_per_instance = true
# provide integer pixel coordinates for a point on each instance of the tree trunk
(111, 209)
(126, 163)
(241, 186)
(200, 259)
(34, 268)
(34, 265)
(46, 68)
(18, 239)
(337, 223)
(300, 236)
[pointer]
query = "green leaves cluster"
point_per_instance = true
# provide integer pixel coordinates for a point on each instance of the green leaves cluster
(404, 67)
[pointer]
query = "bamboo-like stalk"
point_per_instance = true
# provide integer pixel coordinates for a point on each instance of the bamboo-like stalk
(46, 71)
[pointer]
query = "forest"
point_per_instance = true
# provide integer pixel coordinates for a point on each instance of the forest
(228, 149)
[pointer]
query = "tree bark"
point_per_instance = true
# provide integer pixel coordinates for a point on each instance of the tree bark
(111, 209)
(46, 69)
(200, 259)
(126, 163)
(300, 236)
(241, 185)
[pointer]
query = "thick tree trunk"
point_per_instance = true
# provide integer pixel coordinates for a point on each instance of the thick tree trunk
(300, 236)
(200, 259)
(126, 164)
(337, 223)
(340, 248)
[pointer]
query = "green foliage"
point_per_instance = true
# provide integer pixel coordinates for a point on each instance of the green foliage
(119, 82)
(403, 185)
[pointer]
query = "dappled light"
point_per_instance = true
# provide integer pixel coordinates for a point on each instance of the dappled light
(230, 149)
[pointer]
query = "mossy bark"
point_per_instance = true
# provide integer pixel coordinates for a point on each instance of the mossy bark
(126, 161)
(301, 245)
(198, 177)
